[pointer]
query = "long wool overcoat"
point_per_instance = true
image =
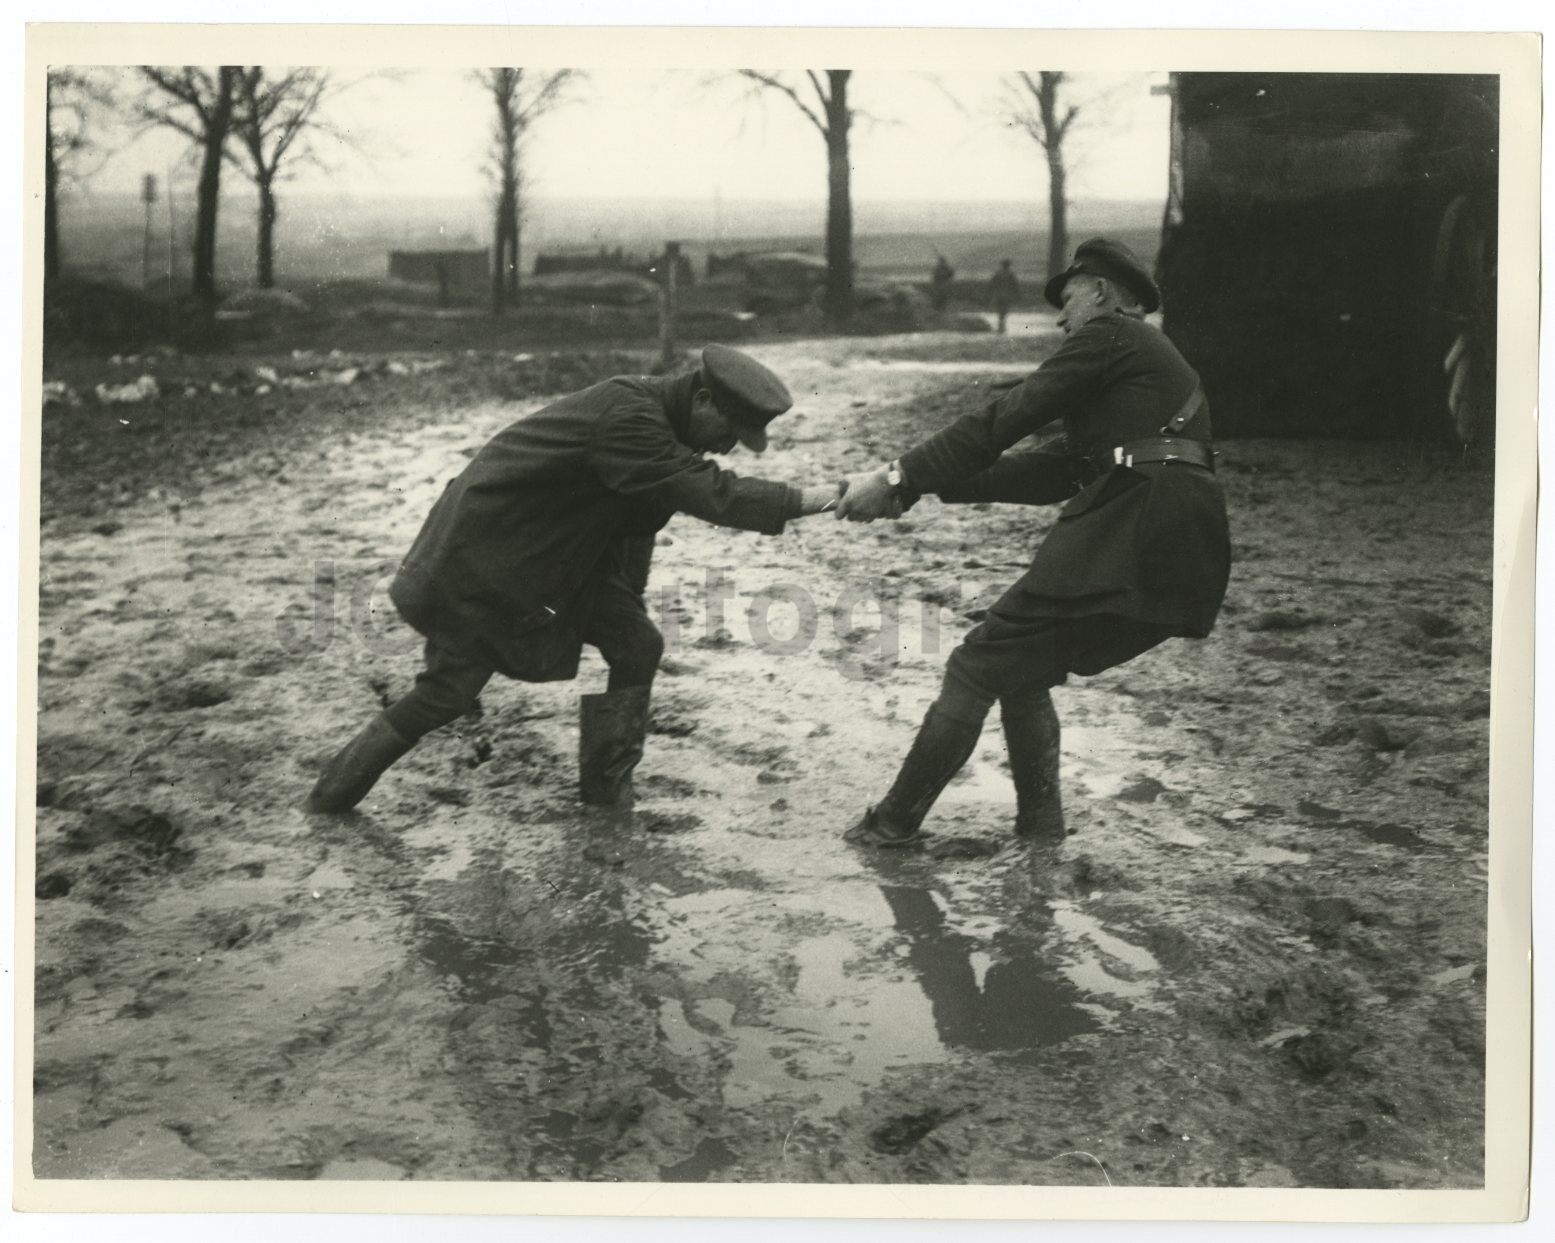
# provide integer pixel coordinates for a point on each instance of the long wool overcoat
(506, 563)
(1148, 542)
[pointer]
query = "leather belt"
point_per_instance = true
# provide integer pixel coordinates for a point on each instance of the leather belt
(1150, 449)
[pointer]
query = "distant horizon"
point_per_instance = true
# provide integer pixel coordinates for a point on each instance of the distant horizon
(350, 233)
(244, 191)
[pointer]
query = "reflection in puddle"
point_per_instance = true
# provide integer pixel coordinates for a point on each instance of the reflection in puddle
(854, 1008)
(834, 1039)
(1089, 973)
(1016, 1003)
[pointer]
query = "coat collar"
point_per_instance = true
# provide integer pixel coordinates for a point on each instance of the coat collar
(676, 393)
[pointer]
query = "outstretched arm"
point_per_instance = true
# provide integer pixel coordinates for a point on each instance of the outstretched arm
(1042, 476)
(634, 453)
(1065, 384)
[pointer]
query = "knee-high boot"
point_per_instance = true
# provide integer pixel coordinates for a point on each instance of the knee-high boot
(1031, 736)
(611, 730)
(942, 746)
(356, 767)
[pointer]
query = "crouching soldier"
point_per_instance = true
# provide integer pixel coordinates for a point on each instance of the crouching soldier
(1140, 552)
(542, 544)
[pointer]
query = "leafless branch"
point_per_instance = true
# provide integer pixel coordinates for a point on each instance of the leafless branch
(773, 82)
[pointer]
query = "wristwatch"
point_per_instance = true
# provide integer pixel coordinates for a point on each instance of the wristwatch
(894, 476)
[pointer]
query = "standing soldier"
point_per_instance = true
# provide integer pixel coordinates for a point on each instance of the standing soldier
(939, 282)
(1140, 552)
(542, 544)
(1004, 289)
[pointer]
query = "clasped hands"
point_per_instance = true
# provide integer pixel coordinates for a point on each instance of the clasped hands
(860, 497)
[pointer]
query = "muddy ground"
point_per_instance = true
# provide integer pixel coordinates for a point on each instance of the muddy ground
(1257, 961)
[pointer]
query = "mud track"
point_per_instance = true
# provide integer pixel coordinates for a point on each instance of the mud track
(1256, 961)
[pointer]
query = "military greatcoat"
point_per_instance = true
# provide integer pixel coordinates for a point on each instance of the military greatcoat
(505, 566)
(1147, 542)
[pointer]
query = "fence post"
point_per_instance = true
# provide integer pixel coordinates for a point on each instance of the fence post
(669, 283)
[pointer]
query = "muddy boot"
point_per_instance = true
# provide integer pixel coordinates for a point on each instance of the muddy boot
(610, 742)
(937, 754)
(1031, 737)
(350, 775)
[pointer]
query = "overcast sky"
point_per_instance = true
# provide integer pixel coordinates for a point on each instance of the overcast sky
(664, 134)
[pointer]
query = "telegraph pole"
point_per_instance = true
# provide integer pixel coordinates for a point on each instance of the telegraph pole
(148, 196)
(669, 282)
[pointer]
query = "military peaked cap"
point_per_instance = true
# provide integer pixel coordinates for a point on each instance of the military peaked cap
(748, 394)
(1101, 256)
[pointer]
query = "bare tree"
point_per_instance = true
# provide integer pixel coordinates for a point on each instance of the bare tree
(1045, 105)
(73, 98)
(276, 114)
(833, 118)
(521, 98)
(1048, 121)
(200, 105)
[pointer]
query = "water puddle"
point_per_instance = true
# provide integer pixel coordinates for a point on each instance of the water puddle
(582, 1142)
(1142, 790)
(1175, 835)
(1113, 972)
(1004, 998)
(1384, 834)
(477, 966)
(1103, 766)
(1452, 975)
(853, 1006)
(984, 780)
(1273, 854)
(711, 1156)
(1252, 812)
(677, 1031)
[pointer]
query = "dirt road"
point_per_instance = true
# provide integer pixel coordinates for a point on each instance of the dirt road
(1256, 961)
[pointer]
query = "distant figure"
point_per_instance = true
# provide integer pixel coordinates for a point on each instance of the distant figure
(939, 283)
(1004, 289)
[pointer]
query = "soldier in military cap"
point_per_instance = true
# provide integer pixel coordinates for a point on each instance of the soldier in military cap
(1004, 289)
(1140, 551)
(542, 544)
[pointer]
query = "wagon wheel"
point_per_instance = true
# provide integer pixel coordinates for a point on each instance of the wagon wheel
(1463, 291)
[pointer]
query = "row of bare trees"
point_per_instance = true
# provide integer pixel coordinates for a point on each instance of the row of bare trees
(263, 122)
(268, 116)
(255, 119)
